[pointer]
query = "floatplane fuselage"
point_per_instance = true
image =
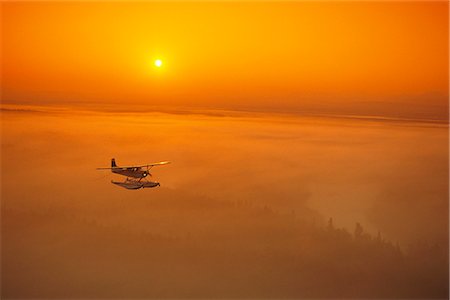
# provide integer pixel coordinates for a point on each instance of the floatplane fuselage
(136, 175)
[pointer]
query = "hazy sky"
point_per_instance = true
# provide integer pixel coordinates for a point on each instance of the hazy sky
(350, 57)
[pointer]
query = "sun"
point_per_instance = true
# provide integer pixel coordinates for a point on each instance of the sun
(158, 63)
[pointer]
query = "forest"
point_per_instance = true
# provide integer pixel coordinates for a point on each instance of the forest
(196, 247)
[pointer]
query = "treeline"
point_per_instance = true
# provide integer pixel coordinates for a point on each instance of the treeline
(201, 249)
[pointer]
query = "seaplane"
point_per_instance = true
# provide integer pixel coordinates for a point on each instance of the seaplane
(136, 175)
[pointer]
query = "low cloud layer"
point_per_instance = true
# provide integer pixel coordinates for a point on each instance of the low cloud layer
(391, 177)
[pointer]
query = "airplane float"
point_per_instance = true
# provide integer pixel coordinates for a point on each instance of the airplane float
(136, 175)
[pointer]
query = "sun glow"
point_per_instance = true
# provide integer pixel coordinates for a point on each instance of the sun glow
(158, 63)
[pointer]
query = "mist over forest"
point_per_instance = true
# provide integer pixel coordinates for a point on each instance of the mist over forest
(253, 205)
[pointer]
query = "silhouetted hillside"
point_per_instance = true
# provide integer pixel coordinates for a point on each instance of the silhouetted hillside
(194, 246)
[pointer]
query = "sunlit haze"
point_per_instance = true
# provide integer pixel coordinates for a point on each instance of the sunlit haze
(349, 57)
(308, 144)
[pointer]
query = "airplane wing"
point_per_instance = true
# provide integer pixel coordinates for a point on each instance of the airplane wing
(141, 166)
(153, 164)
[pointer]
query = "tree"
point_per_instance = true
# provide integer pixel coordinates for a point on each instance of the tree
(330, 226)
(358, 231)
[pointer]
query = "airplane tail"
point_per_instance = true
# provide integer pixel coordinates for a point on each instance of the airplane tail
(113, 163)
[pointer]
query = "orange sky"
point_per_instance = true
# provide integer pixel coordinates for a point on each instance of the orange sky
(227, 55)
